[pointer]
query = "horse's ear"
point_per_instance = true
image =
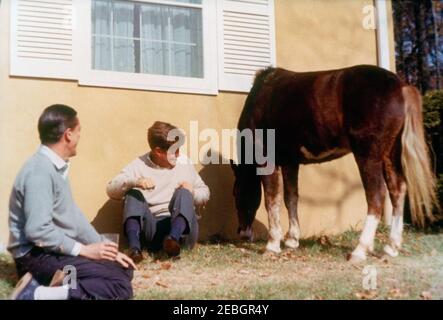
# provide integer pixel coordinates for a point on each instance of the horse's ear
(234, 166)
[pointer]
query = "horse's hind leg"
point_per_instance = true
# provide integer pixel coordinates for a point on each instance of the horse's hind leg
(271, 186)
(290, 182)
(371, 171)
(397, 191)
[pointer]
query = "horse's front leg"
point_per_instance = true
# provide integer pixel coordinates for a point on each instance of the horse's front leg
(290, 182)
(271, 186)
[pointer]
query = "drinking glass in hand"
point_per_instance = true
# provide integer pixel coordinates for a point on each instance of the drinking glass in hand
(111, 237)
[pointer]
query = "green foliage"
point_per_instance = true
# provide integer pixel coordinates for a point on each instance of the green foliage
(440, 188)
(432, 114)
(432, 108)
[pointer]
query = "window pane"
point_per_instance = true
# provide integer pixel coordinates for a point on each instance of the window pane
(155, 58)
(148, 38)
(187, 61)
(154, 22)
(101, 53)
(101, 17)
(124, 55)
(124, 19)
(186, 24)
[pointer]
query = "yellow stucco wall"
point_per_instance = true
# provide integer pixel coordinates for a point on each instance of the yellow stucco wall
(310, 35)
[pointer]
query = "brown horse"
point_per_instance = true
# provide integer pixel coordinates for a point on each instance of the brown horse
(321, 116)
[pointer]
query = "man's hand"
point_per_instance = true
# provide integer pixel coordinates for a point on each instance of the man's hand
(106, 251)
(145, 184)
(125, 261)
(100, 251)
(186, 185)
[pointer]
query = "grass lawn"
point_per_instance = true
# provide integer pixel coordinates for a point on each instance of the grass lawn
(317, 270)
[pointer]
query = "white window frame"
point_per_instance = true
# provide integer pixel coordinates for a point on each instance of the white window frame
(144, 81)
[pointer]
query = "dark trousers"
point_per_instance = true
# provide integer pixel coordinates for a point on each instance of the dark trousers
(155, 229)
(95, 279)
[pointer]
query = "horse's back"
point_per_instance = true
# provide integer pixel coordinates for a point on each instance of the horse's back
(316, 113)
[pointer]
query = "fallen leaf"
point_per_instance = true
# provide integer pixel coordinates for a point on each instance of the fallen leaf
(385, 259)
(324, 241)
(366, 295)
(395, 293)
(426, 295)
(166, 265)
(161, 284)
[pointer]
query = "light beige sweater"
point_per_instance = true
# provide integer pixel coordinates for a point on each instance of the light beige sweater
(165, 180)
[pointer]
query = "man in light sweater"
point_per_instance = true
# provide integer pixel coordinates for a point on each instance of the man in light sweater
(160, 189)
(48, 232)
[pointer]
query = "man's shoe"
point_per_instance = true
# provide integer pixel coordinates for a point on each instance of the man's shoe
(171, 247)
(136, 255)
(25, 288)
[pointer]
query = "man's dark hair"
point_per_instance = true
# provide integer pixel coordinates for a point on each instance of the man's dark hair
(158, 135)
(54, 121)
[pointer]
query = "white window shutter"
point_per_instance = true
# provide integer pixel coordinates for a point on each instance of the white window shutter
(43, 38)
(246, 37)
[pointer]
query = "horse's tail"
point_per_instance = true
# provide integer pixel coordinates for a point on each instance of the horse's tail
(415, 160)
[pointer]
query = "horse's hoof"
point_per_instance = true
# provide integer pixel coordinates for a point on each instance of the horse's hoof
(273, 248)
(356, 257)
(247, 235)
(390, 251)
(291, 243)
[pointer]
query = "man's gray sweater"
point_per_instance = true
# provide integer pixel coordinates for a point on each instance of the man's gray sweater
(43, 213)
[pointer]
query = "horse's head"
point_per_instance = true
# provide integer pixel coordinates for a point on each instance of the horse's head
(247, 194)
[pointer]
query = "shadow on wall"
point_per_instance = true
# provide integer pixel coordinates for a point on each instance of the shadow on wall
(218, 219)
(332, 194)
(109, 219)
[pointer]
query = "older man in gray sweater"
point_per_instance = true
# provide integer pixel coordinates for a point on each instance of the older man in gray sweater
(49, 233)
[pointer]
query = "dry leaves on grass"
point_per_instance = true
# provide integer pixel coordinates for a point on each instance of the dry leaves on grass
(396, 293)
(426, 295)
(324, 241)
(244, 251)
(283, 257)
(140, 285)
(264, 275)
(315, 297)
(367, 295)
(166, 266)
(162, 284)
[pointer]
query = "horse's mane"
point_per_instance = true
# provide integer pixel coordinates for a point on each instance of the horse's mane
(260, 78)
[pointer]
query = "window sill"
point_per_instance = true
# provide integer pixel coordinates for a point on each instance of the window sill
(122, 80)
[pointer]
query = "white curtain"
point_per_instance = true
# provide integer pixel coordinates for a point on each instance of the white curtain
(148, 38)
(101, 35)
